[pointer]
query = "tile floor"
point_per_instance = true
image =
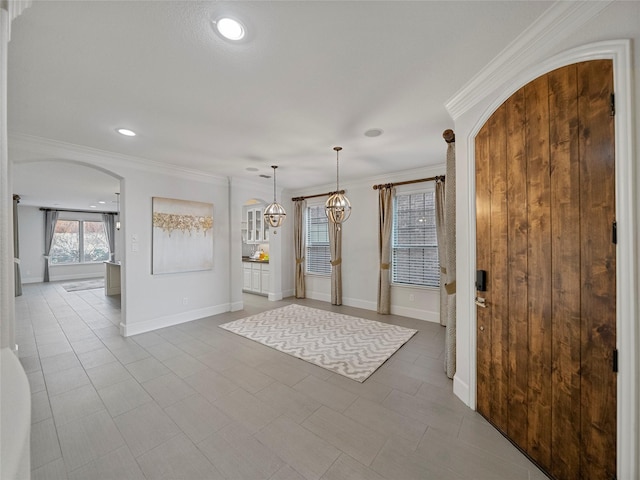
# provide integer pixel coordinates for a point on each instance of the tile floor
(197, 402)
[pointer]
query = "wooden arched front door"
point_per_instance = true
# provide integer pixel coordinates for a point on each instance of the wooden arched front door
(546, 330)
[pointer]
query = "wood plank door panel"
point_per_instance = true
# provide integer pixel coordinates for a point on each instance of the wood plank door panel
(597, 213)
(545, 203)
(565, 266)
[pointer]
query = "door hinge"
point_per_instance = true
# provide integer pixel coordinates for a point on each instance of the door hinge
(612, 104)
(614, 232)
(615, 360)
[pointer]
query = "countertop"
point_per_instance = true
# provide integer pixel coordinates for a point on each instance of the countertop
(251, 260)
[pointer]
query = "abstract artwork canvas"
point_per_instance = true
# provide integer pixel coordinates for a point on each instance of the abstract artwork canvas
(182, 236)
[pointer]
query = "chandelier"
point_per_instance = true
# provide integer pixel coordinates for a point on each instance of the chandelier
(274, 213)
(337, 207)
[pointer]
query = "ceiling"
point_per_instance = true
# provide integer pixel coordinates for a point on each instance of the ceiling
(310, 75)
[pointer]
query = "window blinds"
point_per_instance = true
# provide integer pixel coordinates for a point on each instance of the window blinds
(318, 256)
(414, 242)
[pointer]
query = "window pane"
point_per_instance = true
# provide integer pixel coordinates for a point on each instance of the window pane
(96, 247)
(414, 241)
(65, 247)
(318, 256)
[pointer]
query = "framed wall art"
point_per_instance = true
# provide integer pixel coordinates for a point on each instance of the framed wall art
(182, 236)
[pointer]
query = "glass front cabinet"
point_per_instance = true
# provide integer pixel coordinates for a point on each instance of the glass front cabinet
(257, 228)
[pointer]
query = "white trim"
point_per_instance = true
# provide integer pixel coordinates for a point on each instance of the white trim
(619, 51)
(42, 149)
(556, 24)
(135, 328)
(416, 313)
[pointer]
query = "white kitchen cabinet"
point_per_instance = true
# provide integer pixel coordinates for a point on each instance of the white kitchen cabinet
(246, 276)
(257, 231)
(255, 277)
(264, 279)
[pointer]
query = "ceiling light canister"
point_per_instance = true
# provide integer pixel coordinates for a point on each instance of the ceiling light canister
(126, 132)
(337, 207)
(274, 213)
(230, 28)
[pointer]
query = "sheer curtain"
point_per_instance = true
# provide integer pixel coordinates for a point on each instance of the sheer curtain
(109, 227)
(299, 207)
(50, 220)
(450, 227)
(385, 223)
(16, 248)
(442, 248)
(335, 246)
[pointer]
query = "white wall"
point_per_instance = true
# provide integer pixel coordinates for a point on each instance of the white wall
(360, 252)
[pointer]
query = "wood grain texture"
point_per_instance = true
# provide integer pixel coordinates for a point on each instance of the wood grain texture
(545, 199)
(539, 277)
(483, 262)
(565, 266)
(598, 268)
(517, 260)
(498, 273)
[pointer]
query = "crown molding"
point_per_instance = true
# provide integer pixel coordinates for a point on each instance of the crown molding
(399, 176)
(556, 24)
(14, 8)
(28, 148)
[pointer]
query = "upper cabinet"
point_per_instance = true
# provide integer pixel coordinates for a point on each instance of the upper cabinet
(257, 228)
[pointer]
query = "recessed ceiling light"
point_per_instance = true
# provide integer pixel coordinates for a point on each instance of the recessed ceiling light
(251, 169)
(101, 202)
(373, 132)
(126, 132)
(230, 28)
(92, 206)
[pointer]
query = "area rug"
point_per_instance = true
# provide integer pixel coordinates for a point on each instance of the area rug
(351, 346)
(84, 284)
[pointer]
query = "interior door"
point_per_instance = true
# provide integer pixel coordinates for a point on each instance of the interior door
(546, 338)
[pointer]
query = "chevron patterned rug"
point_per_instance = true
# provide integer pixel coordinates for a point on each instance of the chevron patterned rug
(351, 346)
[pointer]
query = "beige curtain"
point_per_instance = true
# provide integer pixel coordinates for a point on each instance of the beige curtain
(385, 222)
(442, 248)
(16, 248)
(299, 207)
(335, 246)
(50, 220)
(450, 229)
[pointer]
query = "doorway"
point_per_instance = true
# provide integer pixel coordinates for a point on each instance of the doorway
(545, 229)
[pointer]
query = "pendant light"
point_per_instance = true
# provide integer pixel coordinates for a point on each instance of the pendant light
(337, 206)
(274, 213)
(118, 210)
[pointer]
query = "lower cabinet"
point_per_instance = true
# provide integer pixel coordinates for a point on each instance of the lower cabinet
(255, 277)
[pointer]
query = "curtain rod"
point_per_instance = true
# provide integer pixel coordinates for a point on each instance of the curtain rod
(449, 136)
(430, 179)
(295, 199)
(75, 211)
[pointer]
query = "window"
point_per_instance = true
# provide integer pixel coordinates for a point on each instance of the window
(318, 256)
(79, 241)
(413, 240)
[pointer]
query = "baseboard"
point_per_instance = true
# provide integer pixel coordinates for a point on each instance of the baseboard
(274, 297)
(77, 276)
(461, 390)
(136, 328)
(354, 302)
(416, 313)
(288, 293)
(235, 306)
(26, 280)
